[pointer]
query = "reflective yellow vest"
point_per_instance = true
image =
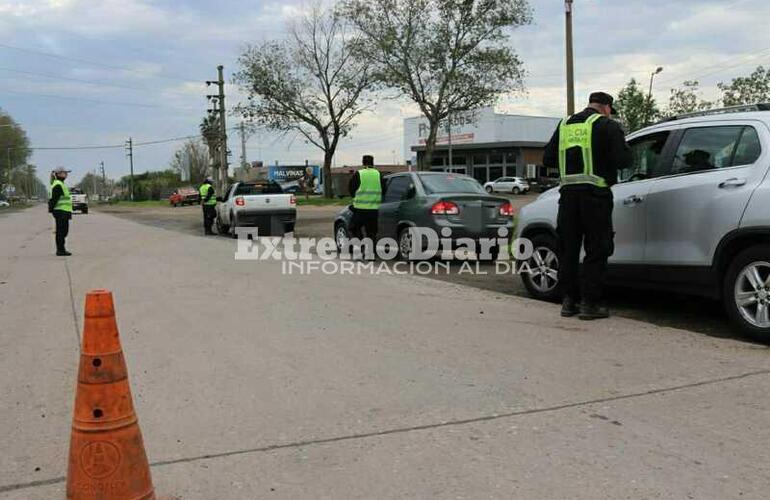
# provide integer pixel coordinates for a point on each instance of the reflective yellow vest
(64, 203)
(204, 191)
(578, 135)
(369, 194)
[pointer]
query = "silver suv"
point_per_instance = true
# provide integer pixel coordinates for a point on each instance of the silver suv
(692, 214)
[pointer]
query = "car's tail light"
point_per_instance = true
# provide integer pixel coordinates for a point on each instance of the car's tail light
(444, 208)
(506, 209)
(293, 200)
(240, 201)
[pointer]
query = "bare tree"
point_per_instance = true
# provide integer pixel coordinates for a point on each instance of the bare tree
(211, 133)
(447, 56)
(309, 84)
(191, 159)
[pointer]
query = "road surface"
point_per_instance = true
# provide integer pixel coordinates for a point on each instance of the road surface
(664, 309)
(250, 384)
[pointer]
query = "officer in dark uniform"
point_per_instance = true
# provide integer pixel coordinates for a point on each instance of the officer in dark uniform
(60, 206)
(589, 148)
(209, 203)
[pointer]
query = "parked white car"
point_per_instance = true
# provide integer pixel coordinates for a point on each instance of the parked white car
(515, 185)
(4, 204)
(256, 204)
(692, 214)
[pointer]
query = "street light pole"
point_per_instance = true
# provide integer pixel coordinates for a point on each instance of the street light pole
(570, 62)
(648, 108)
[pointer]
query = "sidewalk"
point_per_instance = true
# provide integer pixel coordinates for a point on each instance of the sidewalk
(250, 384)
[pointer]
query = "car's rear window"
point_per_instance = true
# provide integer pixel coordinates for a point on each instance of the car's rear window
(449, 183)
(247, 189)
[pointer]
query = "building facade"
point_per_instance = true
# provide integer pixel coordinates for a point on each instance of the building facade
(483, 144)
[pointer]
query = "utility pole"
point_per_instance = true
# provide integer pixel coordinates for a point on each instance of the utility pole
(220, 99)
(449, 137)
(130, 154)
(244, 164)
(570, 62)
(104, 180)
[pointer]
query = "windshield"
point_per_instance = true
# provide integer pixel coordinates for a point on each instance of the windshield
(450, 184)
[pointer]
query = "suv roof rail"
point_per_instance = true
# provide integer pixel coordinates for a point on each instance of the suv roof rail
(720, 111)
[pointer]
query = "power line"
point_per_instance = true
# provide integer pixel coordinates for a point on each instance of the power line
(94, 63)
(89, 82)
(97, 101)
(115, 146)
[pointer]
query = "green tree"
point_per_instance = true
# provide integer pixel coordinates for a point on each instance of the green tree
(447, 56)
(635, 109)
(14, 148)
(151, 185)
(687, 99)
(309, 83)
(752, 89)
(23, 179)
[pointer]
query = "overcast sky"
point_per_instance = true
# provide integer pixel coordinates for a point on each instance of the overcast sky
(94, 72)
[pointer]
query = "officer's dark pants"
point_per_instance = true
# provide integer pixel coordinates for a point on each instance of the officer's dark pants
(585, 219)
(366, 220)
(209, 214)
(62, 229)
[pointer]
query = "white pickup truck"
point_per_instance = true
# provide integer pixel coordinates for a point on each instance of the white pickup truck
(256, 204)
(79, 201)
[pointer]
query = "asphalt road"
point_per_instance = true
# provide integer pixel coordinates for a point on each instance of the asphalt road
(665, 309)
(252, 384)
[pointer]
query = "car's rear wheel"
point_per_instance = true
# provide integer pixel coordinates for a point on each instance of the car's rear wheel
(516, 190)
(405, 242)
(746, 292)
(540, 273)
(84, 210)
(489, 189)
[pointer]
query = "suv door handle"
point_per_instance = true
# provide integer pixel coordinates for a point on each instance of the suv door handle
(734, 182)
(634, 199)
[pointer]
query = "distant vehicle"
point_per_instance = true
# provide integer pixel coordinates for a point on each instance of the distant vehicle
(434, 200)
(184, 196)
(691, 214)
(515, 185)
(79, 201)
(256, 204)
(4, 204)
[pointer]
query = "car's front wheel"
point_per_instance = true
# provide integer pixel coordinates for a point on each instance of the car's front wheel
(746, 292)
(516, 190)
(341, 236)
(489, 189)
(222, 228)
(540, 273)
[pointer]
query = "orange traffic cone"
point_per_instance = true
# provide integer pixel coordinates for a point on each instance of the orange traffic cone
(107, 458)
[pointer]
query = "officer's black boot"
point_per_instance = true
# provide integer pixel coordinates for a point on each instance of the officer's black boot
(569, 307)
(593, 311)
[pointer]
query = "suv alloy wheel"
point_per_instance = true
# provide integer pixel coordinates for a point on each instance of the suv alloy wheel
(746, 292)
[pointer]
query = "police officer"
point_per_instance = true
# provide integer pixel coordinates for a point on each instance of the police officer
(588, 148)
(60, 206)
(209, 203)
(366, 186)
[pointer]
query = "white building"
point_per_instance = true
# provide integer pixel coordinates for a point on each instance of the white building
(484, 144)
